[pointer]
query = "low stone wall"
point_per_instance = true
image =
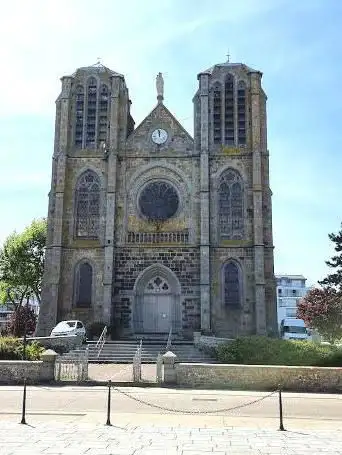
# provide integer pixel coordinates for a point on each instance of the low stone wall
(35, 372)
(60, 344)
(258, 377)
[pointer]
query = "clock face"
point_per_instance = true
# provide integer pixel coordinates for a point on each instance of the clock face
(159, 136)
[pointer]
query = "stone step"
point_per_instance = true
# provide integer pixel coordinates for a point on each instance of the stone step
(124, 351)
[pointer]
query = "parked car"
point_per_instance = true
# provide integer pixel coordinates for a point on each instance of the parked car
(67, 328)
(294, 329)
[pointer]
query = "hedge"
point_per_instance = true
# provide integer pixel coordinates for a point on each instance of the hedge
(256, 350)
(13, 349)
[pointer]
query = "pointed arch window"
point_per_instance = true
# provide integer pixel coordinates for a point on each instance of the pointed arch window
(241, 107)
(229, 130)
(232, 285)
(103, 113)
(79, 108)
(83, 285)
(230, 206)
(88, 205)
(217, 113)
(91, 112)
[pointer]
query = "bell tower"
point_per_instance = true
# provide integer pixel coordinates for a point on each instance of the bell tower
(92, 122)
(236, 212)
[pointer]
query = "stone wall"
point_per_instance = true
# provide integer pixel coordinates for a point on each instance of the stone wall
(35, 372)
(259, 377)
(131, 262)
(59, 343)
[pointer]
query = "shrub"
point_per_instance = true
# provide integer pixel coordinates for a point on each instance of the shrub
(13, 349)
(268, 351)
(22, 317)
(95, 329)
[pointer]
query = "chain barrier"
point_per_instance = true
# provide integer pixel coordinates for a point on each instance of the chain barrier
(196, 411)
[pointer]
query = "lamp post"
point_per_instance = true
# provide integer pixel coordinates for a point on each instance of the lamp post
(25, 325)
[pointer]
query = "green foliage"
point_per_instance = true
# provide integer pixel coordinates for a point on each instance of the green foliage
(13, 349)
(256, 350)
(335, 279)
(321, 309)
(94, 329)
(22, 263)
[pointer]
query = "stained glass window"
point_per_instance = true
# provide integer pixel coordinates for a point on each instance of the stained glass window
(229, 136)
(157, 285)
(88, 205)
(91, 112)
(231, 285)
(241, 106)
(230, 195)
(158, 201)
(79, 108)
(217, 113)
(103, 113)
(84, 284)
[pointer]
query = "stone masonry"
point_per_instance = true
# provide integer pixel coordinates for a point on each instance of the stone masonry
(180, 268)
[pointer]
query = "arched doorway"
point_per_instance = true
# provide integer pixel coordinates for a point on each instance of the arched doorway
(157, 301)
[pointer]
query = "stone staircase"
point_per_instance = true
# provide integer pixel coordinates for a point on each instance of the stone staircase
(123, 351)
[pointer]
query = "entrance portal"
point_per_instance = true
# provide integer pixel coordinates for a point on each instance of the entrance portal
(157, 301)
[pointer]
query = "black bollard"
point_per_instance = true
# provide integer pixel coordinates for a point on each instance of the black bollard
(108, 403)
(23, 419)
(281, 424)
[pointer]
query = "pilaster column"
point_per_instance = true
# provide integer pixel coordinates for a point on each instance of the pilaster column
(111, 200)
(259, 262)
(204, 201)
(51, 282)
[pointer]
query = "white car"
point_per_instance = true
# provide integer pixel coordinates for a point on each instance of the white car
(68, 328)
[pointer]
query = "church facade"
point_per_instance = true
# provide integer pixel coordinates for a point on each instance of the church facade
(149, 228)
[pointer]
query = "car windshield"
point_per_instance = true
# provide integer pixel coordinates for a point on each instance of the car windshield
(71, 323)
(294, 329)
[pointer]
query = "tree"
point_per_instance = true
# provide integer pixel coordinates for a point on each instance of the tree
(335, 279)
(321, 309)
(21, 320)
(22, 264)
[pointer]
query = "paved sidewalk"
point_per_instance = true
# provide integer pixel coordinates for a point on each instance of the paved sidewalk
(75, 439)
(120, 372)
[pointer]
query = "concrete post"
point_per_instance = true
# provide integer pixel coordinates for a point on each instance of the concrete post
(169, 360)
(48, 367)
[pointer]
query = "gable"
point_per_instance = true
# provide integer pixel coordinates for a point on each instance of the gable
(178, 139)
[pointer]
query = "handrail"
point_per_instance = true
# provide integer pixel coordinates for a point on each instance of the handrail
(101, 341)
(168, 344)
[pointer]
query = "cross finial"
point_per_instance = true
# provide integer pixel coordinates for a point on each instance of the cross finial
(99, 61)
(228, 57)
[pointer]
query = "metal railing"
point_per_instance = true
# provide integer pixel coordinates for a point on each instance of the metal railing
(168, 344)
(101, 341)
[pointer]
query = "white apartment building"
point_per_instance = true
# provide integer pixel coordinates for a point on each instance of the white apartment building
(290, 289)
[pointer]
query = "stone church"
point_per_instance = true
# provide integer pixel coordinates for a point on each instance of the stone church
(150, 228)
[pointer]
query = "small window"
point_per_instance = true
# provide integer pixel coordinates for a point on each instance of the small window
(231, 285)
(279, 291)
(84, 284)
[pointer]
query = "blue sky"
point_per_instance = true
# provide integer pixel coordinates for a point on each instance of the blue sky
(296, 44)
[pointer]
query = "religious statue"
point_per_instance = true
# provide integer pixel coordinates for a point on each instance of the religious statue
(160, 86)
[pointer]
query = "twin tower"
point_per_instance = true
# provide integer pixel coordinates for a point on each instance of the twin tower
(150, 228)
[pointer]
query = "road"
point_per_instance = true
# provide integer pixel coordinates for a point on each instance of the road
(71, 421)
(89, 404)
